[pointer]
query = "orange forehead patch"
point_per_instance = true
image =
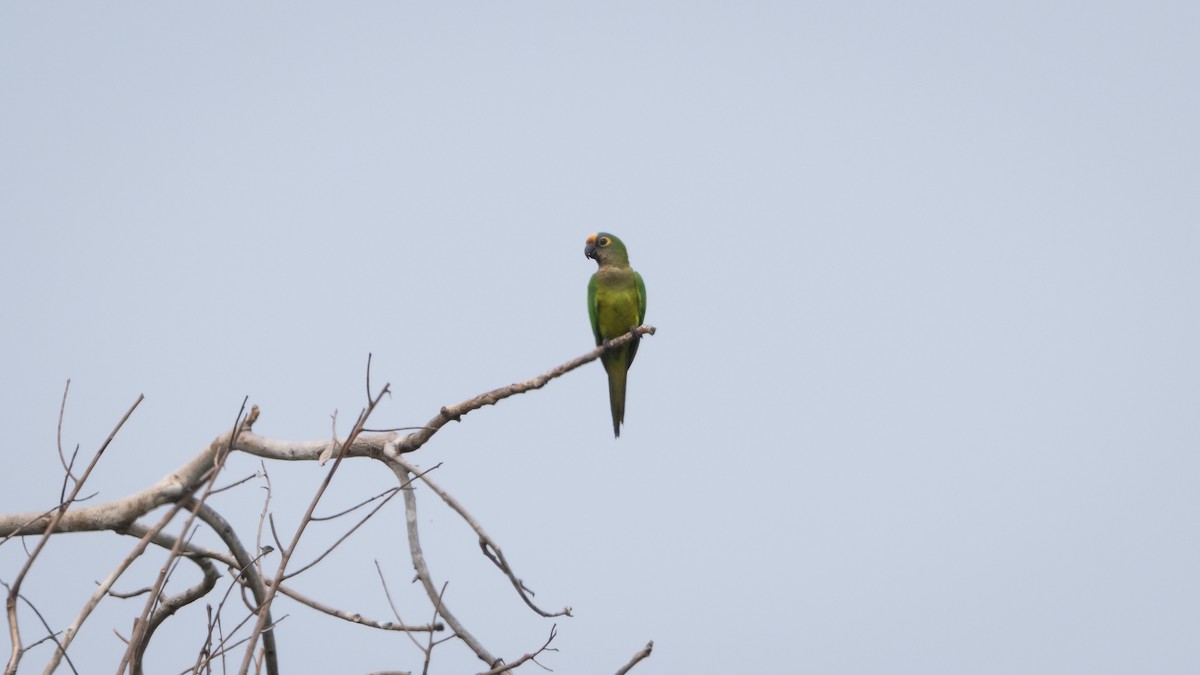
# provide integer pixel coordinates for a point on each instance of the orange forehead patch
(591, 239)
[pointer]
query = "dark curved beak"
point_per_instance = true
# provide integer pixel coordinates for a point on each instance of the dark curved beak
(589, 251)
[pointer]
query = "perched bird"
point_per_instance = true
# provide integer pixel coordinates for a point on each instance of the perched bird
(616, 305)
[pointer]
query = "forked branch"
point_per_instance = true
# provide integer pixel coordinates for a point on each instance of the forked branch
(186, 490)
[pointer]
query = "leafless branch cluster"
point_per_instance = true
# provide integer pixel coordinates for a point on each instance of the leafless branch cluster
(244, 629)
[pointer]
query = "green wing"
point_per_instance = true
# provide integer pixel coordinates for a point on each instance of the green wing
(592, 309)
(641, 290)
(631, 349)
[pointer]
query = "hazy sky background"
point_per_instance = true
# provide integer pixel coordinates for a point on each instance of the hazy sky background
(924, 394)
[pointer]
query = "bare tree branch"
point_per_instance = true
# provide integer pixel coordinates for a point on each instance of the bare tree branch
(186, 478)
(143, 626)
(104, 588)
(455, 412)
(286, 554)
(172, 604)
(356, 617)
(62, 411)
(431, 643)
(645, 651)
(418, 559)
(396, 613)
(489, 547)
(527, 657)
(15, 588)
(146, 535)
(245, 568)
(391, 493)
(189, 486)
(50, 634)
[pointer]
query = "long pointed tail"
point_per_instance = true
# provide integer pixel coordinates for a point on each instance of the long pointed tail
(618, 370)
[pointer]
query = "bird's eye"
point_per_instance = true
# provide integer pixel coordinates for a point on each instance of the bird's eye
(602, 241)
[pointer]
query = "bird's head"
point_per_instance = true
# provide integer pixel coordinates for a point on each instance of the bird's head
(606, 249)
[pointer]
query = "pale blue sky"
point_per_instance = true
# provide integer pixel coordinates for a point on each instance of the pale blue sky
(924, 393)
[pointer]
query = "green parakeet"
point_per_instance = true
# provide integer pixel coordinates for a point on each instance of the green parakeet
(616, 305)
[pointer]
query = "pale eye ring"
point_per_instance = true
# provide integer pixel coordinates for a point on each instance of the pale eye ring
(603, 241)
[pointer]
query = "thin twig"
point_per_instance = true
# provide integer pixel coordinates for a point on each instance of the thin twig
(50, 634)
(368, 377)
(386, 493)
(418, 559)
(223, 650)
(217, 491)
(345, 535)
(455, 412)
(67, 475)
(171, 604)
(428, 649)
(508, 667)
(15, 589)
(103, 589)
(262, 519)
(62, 411)
(489, 547)
(247, 569)
(286, 553)
(360, 523)
(142, 628)
(645, 651)
(356, 617)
